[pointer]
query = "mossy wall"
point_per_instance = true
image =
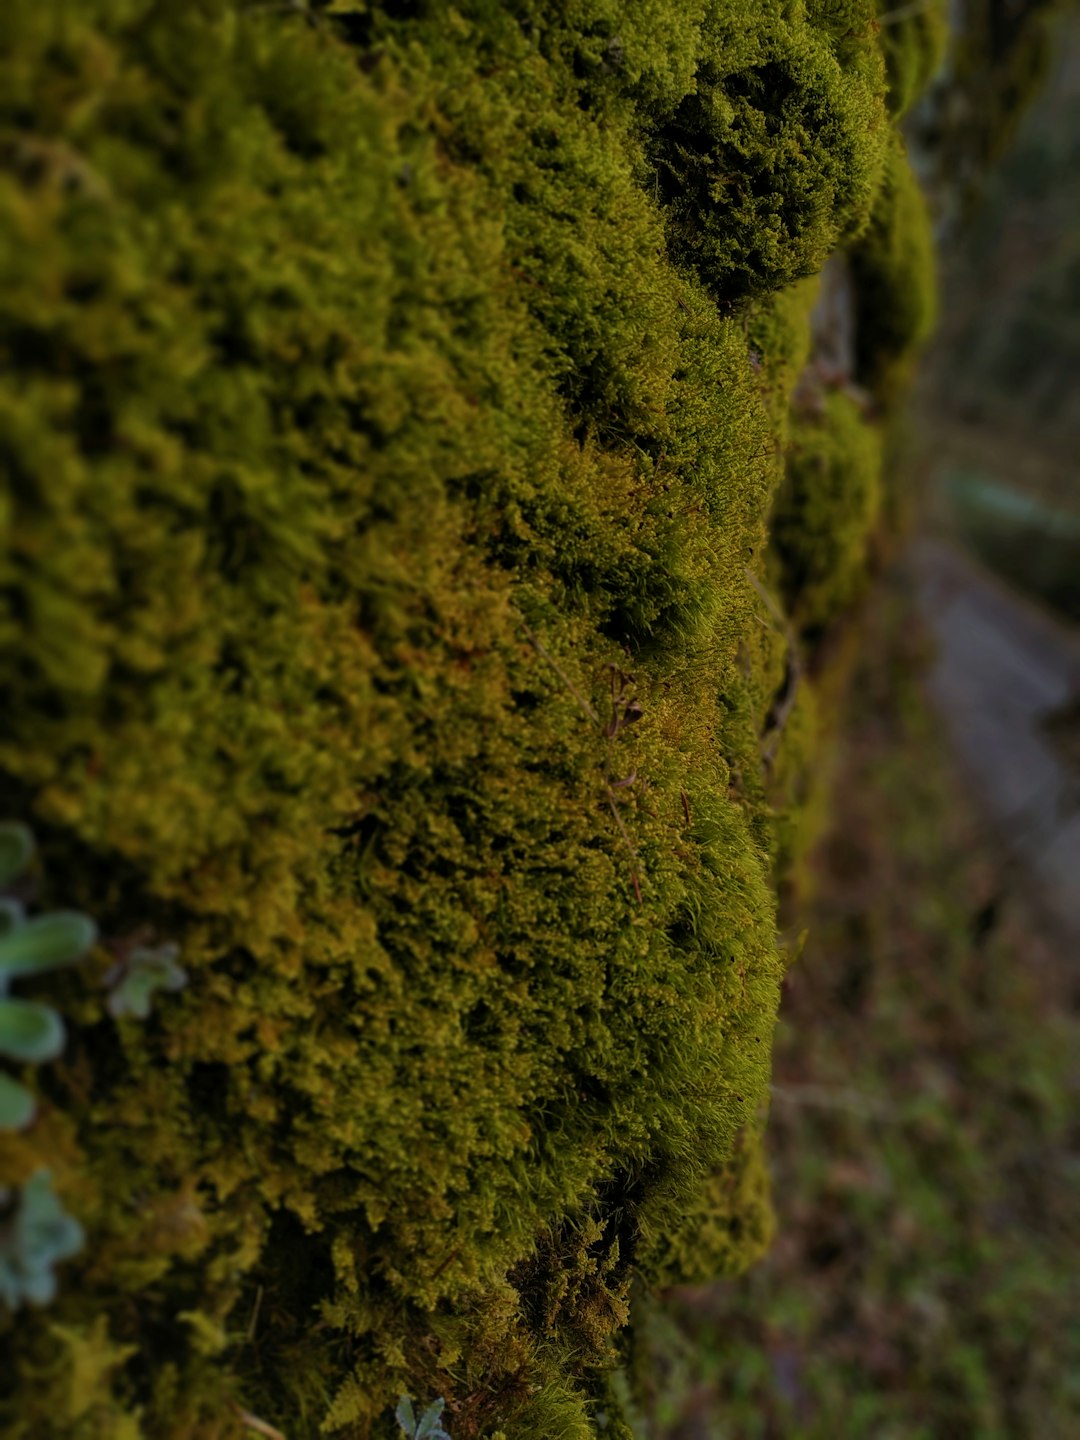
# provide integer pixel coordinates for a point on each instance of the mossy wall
(392, 403)
(997, 59)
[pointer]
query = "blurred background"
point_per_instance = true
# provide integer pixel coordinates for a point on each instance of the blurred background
(924, 1283)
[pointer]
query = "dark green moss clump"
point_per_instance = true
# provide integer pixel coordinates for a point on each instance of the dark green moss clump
(774, 157)
(826, 511)
(386, 472)
(895, 279)
(914, 39)
(998, 58)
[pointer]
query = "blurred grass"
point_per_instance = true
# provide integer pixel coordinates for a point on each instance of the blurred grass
(925, 1146)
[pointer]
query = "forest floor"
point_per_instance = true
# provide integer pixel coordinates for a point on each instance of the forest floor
(1005, 678)
(924, 1135)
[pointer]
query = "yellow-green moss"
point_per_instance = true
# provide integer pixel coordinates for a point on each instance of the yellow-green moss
(368, 420)
(914, 39)
(895, 278)
(728, 1226)
(998, 59)
(775, 156)
(826, 509)
(778, 329)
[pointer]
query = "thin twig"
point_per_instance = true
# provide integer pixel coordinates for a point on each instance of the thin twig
(254, 1315)
(56, 159)
(781, 713)
(626, 841)
(446, 1262)
(253, 1422)
(285, 7)
(619, 683)
(574, 691)
(769, 603)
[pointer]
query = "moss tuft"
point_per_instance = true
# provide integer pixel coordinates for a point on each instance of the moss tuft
(914, 40)
(826, 509)
(774, 158)
(895, 277)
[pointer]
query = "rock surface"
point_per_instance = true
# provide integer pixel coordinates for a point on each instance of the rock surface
(1003, 671)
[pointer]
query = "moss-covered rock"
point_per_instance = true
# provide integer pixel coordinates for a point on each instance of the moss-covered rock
(381, 606)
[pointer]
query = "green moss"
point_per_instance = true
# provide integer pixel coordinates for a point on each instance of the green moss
(365, 408)
(999, 58)
(283, 510)
(774, 158)
(729, 1224)
(794, 786)
(895, 277)
(778, 329)
(826, 510)
(913, 40)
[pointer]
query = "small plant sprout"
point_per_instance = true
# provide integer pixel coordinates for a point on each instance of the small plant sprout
(428, 1427)
(16, 851)
(143, 971)
(37, 1236)
(30, 1032)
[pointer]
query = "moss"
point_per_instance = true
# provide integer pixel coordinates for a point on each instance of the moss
(774, 158)
(728, 1226)
(826, 510)
(284, 508)
(895, 277)
(795, 786)
(778, 329)
(914, 42)
(369, 418)
(998, 59)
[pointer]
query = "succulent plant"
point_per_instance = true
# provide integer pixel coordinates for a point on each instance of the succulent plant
(38, 1235)
(428, 1427)
(16, 849)
(30, 1032)
(145, 970)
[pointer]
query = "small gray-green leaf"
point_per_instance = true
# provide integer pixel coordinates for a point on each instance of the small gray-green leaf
(16, 1104)
(45, 1231)
(12, 914)
(149, 969)
(406, 1416)
(45, 943)
(29, 1031)
(429, 1421)
(41, 1235)
(16, 848)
